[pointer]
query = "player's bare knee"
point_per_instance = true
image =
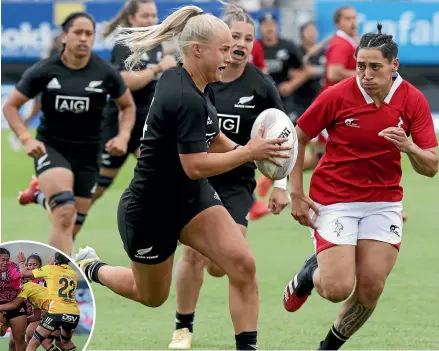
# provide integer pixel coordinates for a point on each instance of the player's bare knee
(338, 291)
(243, 269)
(65, 216)
(214, 270)
(369, 292)
(153, 301)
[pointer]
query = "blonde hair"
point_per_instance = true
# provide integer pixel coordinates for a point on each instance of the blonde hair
(187, 24)
(121, 19)
(234, 13)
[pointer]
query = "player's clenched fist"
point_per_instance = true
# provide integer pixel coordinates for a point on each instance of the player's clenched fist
(34, 148)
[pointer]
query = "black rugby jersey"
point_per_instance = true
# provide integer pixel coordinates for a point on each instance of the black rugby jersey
(181, 120)
(72, 101)
(143, 96)
(306, 93)
(281, 58)
(239, 103)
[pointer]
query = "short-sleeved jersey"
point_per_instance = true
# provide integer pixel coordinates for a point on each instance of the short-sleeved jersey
(239, 103)
(257, 55)
(62, 282)
(359, 165)
(305, 94)
(36, 294)
(181, 120)
(143, 96)
(340, 51)
(10, 282)
(281, 58)
(72, 101)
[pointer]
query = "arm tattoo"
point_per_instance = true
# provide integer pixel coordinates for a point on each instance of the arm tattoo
(354, 319)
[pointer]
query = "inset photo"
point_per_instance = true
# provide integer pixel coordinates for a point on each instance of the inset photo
(45, 300)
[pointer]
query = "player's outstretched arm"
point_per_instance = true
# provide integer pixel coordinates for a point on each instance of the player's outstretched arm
(25, 273)
(13, 305)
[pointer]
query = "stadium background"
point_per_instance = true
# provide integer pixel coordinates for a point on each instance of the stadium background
(83, 293)
(402, 321)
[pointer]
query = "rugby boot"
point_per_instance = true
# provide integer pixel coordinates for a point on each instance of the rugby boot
(299, 288)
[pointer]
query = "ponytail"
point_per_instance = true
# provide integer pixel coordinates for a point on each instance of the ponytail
(143, 39)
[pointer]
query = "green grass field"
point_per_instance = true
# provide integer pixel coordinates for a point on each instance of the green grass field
(407, 316)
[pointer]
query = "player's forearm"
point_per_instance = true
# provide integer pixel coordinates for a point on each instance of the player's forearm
(212, 164)
(296, 175)
(139, 79)
(424, 162)
(222, 144)
(13, 305)
(299, 79)
(16, 123)
(127, 120)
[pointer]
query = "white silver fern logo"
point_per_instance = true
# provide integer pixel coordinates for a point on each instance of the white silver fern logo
(142, 252)
(245, 99)
(94, 83)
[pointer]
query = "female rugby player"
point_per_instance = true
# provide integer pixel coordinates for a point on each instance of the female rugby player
(243, 93)
(74, 87)
(174, 163)
(135, 13)
(355, 190)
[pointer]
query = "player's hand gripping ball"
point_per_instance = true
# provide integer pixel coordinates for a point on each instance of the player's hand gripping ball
(277, 125)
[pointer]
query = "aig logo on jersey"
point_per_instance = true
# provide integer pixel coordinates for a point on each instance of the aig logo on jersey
(229, 123)
(73, 104)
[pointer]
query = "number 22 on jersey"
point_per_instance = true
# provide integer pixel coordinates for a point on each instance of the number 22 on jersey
(67, 289)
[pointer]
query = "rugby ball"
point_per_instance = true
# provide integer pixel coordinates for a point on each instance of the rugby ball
(277, 125)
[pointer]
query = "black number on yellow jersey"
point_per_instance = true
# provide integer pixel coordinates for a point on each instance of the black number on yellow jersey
(65, 285)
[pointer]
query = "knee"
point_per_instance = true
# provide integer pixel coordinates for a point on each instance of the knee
(338, 292)
(243, 270)
(66, 216)
(369, 292)
(153, 301)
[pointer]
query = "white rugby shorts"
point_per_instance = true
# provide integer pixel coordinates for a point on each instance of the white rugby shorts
(346, 223)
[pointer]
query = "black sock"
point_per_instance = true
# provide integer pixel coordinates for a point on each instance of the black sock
(333, 341)
(91, 271)
(184, 321)
(40, 199)
(247, 341)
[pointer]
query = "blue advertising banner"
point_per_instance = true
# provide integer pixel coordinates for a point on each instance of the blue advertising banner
(27, 27)
(413, 24)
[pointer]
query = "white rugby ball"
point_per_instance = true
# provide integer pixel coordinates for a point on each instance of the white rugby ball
(277, 125)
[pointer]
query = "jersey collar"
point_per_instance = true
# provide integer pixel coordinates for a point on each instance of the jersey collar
(397, 80)
(347, 37)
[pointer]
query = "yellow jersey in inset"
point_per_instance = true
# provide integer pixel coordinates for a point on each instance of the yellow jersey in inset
(36, 294)
(62, 282)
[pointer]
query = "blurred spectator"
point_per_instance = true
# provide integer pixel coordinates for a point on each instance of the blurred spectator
(281, 56)
(340, 60)
(315, 59)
